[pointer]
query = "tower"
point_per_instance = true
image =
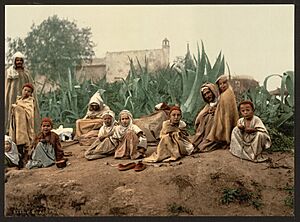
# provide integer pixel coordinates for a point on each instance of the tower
(166, 51)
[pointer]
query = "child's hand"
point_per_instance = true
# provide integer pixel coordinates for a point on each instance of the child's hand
(241, 127)
(250, 130)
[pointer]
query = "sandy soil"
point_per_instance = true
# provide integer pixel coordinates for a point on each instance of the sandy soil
(194, 186)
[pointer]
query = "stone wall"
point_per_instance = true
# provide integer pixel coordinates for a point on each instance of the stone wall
(118, 64)
(91, 72)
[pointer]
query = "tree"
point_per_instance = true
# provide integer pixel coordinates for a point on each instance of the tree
(54, 47)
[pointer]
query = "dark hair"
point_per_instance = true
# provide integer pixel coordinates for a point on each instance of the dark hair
(246, 102)
(47, 120)
(175, 108)
(29, 85)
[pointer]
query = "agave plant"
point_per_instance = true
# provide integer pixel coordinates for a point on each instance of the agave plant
(179, 84)
(274, 111)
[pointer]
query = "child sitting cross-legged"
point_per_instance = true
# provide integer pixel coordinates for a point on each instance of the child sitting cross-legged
(130, 141)
(250, 137)
(174, 142)
(46, 148)
(104, 145)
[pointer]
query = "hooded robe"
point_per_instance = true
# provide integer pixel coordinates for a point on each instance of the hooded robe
(88, 127)
(14, 81)
(205, 121)
(225, 117)
(128, 144)
(106, 147)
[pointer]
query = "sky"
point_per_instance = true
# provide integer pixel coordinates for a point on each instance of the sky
(256, 40)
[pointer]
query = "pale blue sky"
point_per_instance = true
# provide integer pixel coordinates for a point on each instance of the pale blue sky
(256, 40)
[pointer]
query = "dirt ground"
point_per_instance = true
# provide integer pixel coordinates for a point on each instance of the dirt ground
(214, 184)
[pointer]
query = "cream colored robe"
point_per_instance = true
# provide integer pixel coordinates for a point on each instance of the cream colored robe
(106, 147)
(14, 81)
(173, 145)
(88, 127)
(22, 122)
(128, 144)
(250, 146)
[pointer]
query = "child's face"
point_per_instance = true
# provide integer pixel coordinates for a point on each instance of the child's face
(107, 120)
(7, 146)
(125, 120)
(223, 84)
(26, 92)
(175, 116)
(46, 127)
(246, 111)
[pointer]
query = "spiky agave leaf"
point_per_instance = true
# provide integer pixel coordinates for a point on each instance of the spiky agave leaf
(289, 83)
(188, 106)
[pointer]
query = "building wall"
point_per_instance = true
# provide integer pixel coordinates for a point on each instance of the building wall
(91, 72)
(118, 64)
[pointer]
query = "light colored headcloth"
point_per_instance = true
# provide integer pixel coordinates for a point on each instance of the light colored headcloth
(221, 77)
(17, 55)
(203, 88)
(108, 112)
(13, 154)
(96, 98)
(125, 111)
(11, 71)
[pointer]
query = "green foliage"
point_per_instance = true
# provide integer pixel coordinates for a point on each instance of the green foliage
(276, 113)
(178, 84)
(242, 196)
(194, 76)
(273, 111)
(14, 45)
(280, 141)
(176, 209)
(289, 200)
(54, 47)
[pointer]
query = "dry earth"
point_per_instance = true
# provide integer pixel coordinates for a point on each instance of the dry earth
(193, 186)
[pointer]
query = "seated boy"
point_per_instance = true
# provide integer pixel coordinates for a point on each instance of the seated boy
(250, 137)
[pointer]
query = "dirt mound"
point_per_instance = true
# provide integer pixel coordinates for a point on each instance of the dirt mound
(213, 183)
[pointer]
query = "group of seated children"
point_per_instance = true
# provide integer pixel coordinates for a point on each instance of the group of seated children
(124, 141)
(216, 126)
